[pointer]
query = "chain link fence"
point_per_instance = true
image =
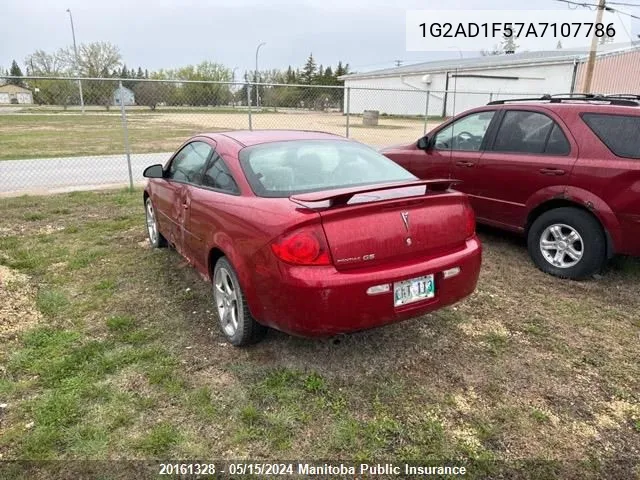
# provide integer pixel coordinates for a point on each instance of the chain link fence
(63, 133)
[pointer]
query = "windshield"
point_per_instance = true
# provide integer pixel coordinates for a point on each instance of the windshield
(281, 169)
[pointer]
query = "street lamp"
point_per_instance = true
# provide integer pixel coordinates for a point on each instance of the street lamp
(258, 51)
(75, 49)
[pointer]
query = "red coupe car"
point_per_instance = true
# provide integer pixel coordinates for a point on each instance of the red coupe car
(311, 233)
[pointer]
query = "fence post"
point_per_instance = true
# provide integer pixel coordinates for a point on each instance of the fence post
(249, 103)
(348, 108)
(125, 130)
(426, 112)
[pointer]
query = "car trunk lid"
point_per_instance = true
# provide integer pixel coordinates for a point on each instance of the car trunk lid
(371, 225)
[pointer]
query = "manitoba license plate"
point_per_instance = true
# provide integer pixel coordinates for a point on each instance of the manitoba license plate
(413, 290)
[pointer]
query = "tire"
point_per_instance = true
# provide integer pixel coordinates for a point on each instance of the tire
(156, 239)
(568, 243)
(236, 322)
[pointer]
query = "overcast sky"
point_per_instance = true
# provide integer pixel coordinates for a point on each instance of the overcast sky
(368, 34)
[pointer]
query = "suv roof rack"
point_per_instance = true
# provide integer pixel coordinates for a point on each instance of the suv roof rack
(623, 99)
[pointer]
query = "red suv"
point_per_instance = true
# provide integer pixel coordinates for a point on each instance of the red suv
(562, 170)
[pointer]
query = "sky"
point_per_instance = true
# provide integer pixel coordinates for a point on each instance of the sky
(153, 34)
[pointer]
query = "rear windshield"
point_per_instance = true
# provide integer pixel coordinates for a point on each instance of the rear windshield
(620, 133)
(281, 169)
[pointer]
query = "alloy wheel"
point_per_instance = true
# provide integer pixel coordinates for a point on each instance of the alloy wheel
(225, 294)
(152, 227)
(561, 245)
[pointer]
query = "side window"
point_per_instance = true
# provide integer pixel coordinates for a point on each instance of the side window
(188, 163)
(620, 133)
(530, 132)
(557, 143)
(466, 133)
(218, 176)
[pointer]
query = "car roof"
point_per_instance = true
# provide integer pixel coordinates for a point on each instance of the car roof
(254, 137)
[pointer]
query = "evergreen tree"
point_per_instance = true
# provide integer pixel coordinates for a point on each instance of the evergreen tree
(15, 71)
(309, 70)
(140, 73)
(509, 44)
(291, 75)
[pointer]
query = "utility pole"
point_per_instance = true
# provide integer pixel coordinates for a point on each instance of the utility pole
(75, 49)
(588, 77)
(398, 63)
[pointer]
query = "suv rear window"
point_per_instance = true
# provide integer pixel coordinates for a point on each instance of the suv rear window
(620, 133)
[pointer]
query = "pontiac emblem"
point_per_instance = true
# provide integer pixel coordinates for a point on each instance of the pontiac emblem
(405, 219)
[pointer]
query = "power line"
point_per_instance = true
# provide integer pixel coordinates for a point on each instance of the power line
(625, 4)
(607, 8)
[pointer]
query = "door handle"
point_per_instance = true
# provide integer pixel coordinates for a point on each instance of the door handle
(464, 163)
(552, 171)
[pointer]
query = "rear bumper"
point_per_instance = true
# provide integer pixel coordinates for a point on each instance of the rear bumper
(321, 301)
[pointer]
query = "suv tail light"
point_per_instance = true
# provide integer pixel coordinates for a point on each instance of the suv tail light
(307, 246)
(470, 221)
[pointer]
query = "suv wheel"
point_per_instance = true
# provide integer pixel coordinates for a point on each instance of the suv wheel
(568, 243)
(233, 312)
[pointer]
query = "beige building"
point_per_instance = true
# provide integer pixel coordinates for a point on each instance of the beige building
(14, 94)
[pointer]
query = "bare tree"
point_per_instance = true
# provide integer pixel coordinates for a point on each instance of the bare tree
(93, 58)
(45, 64)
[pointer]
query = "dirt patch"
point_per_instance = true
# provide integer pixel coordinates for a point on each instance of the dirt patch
(17, 303)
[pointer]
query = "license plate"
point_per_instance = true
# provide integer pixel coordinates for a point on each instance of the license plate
(414, 290)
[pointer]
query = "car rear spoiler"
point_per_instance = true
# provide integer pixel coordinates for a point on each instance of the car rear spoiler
(342, 196)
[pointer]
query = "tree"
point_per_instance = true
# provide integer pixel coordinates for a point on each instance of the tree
(290, 76)
(45, 64)
(93, 58)
(205, 93)
(508, 44)
(309, 70)
(51, 92)
(151, 93)
(494, 51)
(559, 45)
(15, 71)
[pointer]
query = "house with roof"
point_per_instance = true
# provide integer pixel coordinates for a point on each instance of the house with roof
(15, 94)
(478, 80)
(123, 94)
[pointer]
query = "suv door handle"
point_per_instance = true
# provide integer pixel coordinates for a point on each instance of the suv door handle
(552, 171)
(465, 163)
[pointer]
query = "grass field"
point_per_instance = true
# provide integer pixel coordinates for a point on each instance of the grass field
(56, 134)
(109, 349)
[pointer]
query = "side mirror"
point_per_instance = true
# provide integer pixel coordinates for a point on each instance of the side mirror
(423, 143)
(154, 171)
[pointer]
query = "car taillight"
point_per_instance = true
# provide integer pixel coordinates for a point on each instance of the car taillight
(470, 221)
(303, 247)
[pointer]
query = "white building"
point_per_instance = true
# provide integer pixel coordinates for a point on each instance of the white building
(479, 80)
(10, 93)
(123, 93)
